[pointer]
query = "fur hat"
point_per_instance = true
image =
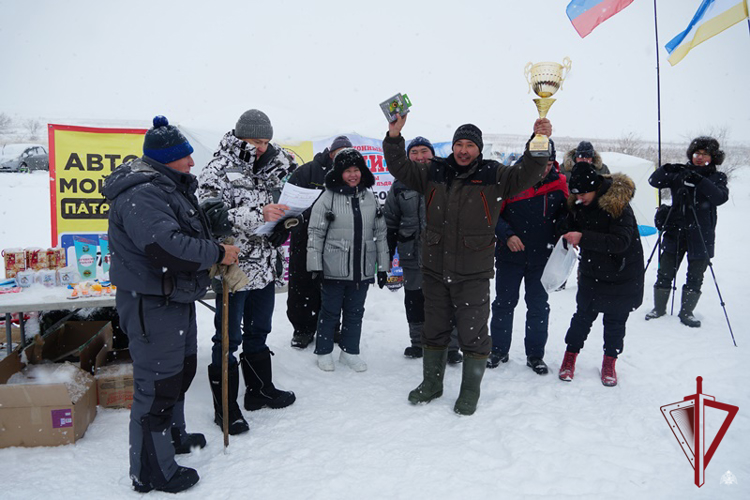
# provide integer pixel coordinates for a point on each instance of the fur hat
(165, 143)
(708, 144)
(584, 178)
(471, 133)
(585, 150)
(253, 124)
(420, 141)
(344, 159)
(552, 153)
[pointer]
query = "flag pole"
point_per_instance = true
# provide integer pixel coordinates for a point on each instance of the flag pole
(658, 95)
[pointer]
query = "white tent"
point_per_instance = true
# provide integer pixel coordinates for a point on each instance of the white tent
(646, 197)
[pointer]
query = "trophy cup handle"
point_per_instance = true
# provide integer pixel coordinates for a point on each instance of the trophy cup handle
(567, 63)
(526, 73)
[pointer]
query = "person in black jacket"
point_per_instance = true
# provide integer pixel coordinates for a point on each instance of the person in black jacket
(162, 249)
(303, 300)
(526, 234)
(602, 224)
(697, 189)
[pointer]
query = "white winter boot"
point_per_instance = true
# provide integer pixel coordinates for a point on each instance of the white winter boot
(353, 361)
(325, 362)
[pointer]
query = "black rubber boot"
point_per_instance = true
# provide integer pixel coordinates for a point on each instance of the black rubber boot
(261, 393)
(496, 358)
(689, 301)
(185, 443)
(661, 297)
(473, 371)
(237, 423)
(184, 478)
(433, 371)
(301, 340)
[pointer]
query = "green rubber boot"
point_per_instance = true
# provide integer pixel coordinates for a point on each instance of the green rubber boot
(433, 369)
(473, 371)
(661, 297)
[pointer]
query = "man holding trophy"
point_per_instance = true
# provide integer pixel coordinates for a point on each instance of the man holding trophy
(463, 194)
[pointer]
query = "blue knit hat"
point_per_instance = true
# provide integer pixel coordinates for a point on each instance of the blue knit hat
(420, 141)
(165, 143)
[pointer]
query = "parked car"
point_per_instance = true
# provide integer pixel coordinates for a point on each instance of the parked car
(23, 158)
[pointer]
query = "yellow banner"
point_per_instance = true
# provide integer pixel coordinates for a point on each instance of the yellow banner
(80, 159)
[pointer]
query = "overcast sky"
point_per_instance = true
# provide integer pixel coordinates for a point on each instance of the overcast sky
(320, 68)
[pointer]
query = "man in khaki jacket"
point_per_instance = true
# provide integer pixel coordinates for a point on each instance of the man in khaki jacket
(463, 194)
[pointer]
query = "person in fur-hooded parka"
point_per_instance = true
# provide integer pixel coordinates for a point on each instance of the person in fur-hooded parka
(601, 223)
(583, 152)
(347, 246)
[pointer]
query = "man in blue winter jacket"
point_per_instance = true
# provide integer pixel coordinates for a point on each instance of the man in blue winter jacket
(525, 237)
(162, 250)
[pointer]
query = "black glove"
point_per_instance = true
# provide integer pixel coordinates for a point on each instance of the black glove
(692, 178)
(279, 235)
(382, 279)
(292, 221)
(672, 168)
(218, 216)
(317, 277)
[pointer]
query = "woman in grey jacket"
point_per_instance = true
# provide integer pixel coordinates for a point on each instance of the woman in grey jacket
(347, 248)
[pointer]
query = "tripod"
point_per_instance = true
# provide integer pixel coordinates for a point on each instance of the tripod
(686, 197)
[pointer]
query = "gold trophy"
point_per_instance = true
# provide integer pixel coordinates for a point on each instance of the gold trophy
(545, 78)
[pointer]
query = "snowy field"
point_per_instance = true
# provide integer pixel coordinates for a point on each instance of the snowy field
(354, 435)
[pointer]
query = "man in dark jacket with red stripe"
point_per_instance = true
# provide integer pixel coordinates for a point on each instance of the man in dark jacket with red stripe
(463, 194)
(525, 238)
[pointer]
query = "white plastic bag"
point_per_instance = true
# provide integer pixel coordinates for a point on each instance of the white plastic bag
(559, 266)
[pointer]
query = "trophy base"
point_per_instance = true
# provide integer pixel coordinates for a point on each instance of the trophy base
(539, 145)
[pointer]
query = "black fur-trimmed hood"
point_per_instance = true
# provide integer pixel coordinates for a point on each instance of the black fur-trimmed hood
(616, 191)
(346, 158)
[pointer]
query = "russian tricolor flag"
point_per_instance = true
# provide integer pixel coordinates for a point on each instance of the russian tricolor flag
(588, 14)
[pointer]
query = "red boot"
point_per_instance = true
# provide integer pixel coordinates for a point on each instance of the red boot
(568, 368)
(609, 375)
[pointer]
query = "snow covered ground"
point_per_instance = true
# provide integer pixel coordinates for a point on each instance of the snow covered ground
(354, 435)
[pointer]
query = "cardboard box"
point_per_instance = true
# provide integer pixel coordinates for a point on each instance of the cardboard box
(114, 380)
(48, 414)
(43, 414)
(84, 343)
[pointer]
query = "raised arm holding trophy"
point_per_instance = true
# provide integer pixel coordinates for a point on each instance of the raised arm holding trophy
(545, 79)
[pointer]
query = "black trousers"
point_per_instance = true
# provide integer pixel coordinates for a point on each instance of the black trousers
(580, 326)
(670, 262)
(303, 300)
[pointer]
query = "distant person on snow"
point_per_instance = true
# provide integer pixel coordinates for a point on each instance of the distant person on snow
(584, 152)
(696, 185)
(602, 224)
(161, 250)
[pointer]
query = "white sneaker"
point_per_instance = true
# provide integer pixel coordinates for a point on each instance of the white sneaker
(353, 361)
(325, 362)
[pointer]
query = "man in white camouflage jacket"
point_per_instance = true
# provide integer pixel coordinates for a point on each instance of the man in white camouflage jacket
(237, 189)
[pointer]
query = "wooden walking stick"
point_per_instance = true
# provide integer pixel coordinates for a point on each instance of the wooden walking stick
(225, 355)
